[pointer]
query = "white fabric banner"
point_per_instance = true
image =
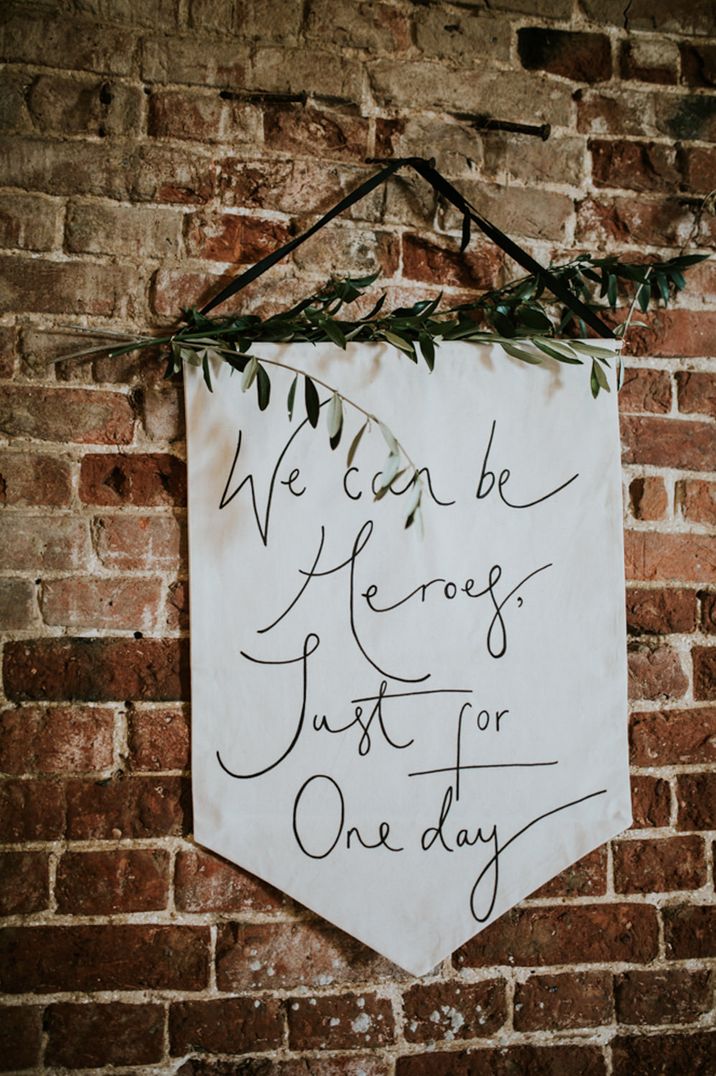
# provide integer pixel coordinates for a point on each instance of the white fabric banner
(408, 734)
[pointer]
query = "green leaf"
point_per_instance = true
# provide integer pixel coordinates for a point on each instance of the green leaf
(663, 286)
(428, 349)
(520, 353)
(400, 342)
(644, 297)
(601, 377)
(333, 332)
(250, 371)
(335, 415)
(591, 349)
(594, 380)
(290, 402)
(389, 438)
(206, 371)
(263, 387)
(312, 402)
(612, 286)
(354, 444)
(560, 355)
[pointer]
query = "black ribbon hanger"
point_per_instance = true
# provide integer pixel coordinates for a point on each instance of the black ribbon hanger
(470, 216)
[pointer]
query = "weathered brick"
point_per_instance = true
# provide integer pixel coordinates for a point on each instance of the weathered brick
(302, 70)
(707, 600)
(96, 670)
(651, 802)
(677, 333)
(587, 877)
(697, 165)
(162, 413)
(649, 60)
(62, 287)
(175, 289)
(645, 1055)
(667, 221)
(558, 1002)
(364, 251)
(645, 390)
(434, 1012)
(660, 611)
(24, 883)
(680, 117)
(29, 221)
(516, 210)
(277, 956)
(140, 480)
(104, 883)
(17, 604)
(696, 390)
(33, 37)
(91, 1035)
(674, 996)
(696, 800)
(78, 415)
(428, 261)
(533, 161)
(464, 36)
(696, 500)
(564, 935)
(637, 166)
(55, 739)
(206, 883)
(67, 105)
(655, 672)
(181, 114)
(340, 1022)
(581, 57)
(31, 810)
(8, 350)
(226, 237)
(652, 557)
(671, 737)
(132, 604)
(654, 15)
(647, 498)
(659, 866)
(106, 957)
(20, 1037)
(690, 931)
(178, 59)
(176, 609)
(698, 63)
(704, 660)
(505, 1060)
(29, 479)
(134, 231)
(125, 543)
(127, 807)
(226, 1025)
(666, 442)
(376, 27)
(307, 131)
(157, 739)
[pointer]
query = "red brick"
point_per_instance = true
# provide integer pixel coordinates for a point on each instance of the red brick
(43, 543)
(176, 616)
(176, 289)
(696, 391)
(125, 543)
(621, 111)
(137, 480)
(684, 117)
(696, 500)
(127, 807)
(679, 333)
(29, 222)
(698, 166)
(665, 442)
(308, 131)
(647, 498)
(579, 56)
(182, 114)
(506, 1060)
(104, 883)
(366, 251)
(655, 672)
(563, 935)
(559, 1002)
(55, 739)
(704, 659)
(696, 800)
(645, 1055)
(96, 670)
(649, 60)
(353, 1064)
(435, 1012)
(162, 412)
(91, 1035)
(690, 931)
(638, 166)
(226, 237)
(20, 1037)
(652, 557)
(698, 64)
(645, 390)
(158, 739)
(278, 956)
(708, 611)
(587, 877)
(652, 15)
(63, 287)
(674, 996)
(31, 811)
(17, 604)
(659, 866)
(667, 221)
(341, 1022)
(132, 604)
(673, 737)
(136, 231)
(651, 802)
(24, 883)
(425, 260)
(28, 479)
(205, 883)
(659, 611)
(226, 1025)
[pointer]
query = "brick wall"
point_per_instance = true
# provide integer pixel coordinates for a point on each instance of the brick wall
(147, 150)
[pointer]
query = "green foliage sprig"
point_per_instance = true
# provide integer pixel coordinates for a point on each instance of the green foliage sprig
(521, 316)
